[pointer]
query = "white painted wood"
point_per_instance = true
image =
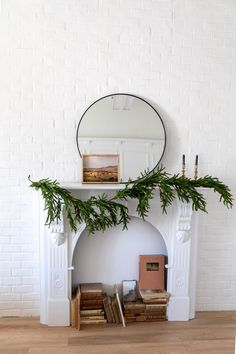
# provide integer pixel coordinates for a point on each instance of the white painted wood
(55, 302)
(43, 265)
(56, 261)
(90, 186)
(57, 231)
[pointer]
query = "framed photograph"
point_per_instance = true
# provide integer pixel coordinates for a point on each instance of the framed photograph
(129, 288)
(101, 168)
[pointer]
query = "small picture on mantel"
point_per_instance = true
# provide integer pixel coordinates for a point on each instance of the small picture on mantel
(100, 168)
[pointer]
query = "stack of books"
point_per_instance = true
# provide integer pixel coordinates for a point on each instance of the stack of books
(152, 306)
(134, 311)
(92, 316)
(156, 304)
(91, 304)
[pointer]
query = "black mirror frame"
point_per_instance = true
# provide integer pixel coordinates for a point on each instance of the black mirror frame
(127, 94)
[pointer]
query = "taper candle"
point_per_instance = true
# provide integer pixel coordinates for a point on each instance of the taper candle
(196, 168)
(183, 165)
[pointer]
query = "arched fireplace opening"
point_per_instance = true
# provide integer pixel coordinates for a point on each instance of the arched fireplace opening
(112, 256)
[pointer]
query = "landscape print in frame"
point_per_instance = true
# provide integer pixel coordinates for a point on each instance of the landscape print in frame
(100, 168)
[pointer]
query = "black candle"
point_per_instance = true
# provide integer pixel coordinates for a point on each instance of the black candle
(196, 160)
(183, 159)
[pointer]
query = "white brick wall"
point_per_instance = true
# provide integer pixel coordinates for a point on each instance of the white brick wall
(57, 56)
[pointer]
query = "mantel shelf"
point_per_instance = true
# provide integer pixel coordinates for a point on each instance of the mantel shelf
(102, 186)
(91, 186)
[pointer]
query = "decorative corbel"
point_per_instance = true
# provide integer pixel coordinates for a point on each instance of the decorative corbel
(57, 231)
(184, 224)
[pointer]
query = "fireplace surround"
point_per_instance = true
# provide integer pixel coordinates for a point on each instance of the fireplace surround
(179, 229)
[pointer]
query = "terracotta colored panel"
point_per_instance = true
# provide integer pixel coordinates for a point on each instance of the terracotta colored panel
(151, 272)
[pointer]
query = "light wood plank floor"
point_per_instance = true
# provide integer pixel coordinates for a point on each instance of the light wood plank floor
(210, 332)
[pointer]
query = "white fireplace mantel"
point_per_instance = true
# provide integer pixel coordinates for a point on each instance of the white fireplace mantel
(178, 228)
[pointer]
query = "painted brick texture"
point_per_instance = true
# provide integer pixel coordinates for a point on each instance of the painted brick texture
(57, 57)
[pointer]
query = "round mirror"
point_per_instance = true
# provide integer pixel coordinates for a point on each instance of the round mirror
(123, 125)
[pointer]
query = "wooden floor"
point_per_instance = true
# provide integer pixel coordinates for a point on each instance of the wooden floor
(210, 332)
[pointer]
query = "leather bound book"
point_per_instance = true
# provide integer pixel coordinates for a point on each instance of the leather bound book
(115, 309)
(77, 309)
(91, 304)
(91, 289)
(108, 309)
(87, 313)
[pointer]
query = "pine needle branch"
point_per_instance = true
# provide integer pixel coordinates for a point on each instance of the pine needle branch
(102, 212)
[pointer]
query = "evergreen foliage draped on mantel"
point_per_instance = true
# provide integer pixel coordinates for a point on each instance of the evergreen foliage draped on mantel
(102, 212)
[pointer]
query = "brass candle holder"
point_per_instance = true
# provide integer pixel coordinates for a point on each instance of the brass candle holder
(195, 171)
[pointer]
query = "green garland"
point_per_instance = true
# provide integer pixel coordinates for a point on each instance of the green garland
(102, 212)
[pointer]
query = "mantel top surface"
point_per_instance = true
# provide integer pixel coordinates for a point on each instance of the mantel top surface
(82, 186)
(99, 186)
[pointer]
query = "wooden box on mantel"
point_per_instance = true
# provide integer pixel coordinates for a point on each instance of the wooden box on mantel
(152, 272)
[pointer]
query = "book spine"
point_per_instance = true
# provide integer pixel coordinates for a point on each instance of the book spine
(155, 301)
(72, 313)
(77, 313)
(155, 307)
(91, 304)
(115, 310)
(156, 317)
(91, 296)
(129, 315)
(92, 321)
(108, 309)
(85, 313)
(135, 307)
(141, 318)
(91, 288)
(88, 318)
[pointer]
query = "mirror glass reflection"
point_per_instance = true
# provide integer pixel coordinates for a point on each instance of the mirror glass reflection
(127, 125)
